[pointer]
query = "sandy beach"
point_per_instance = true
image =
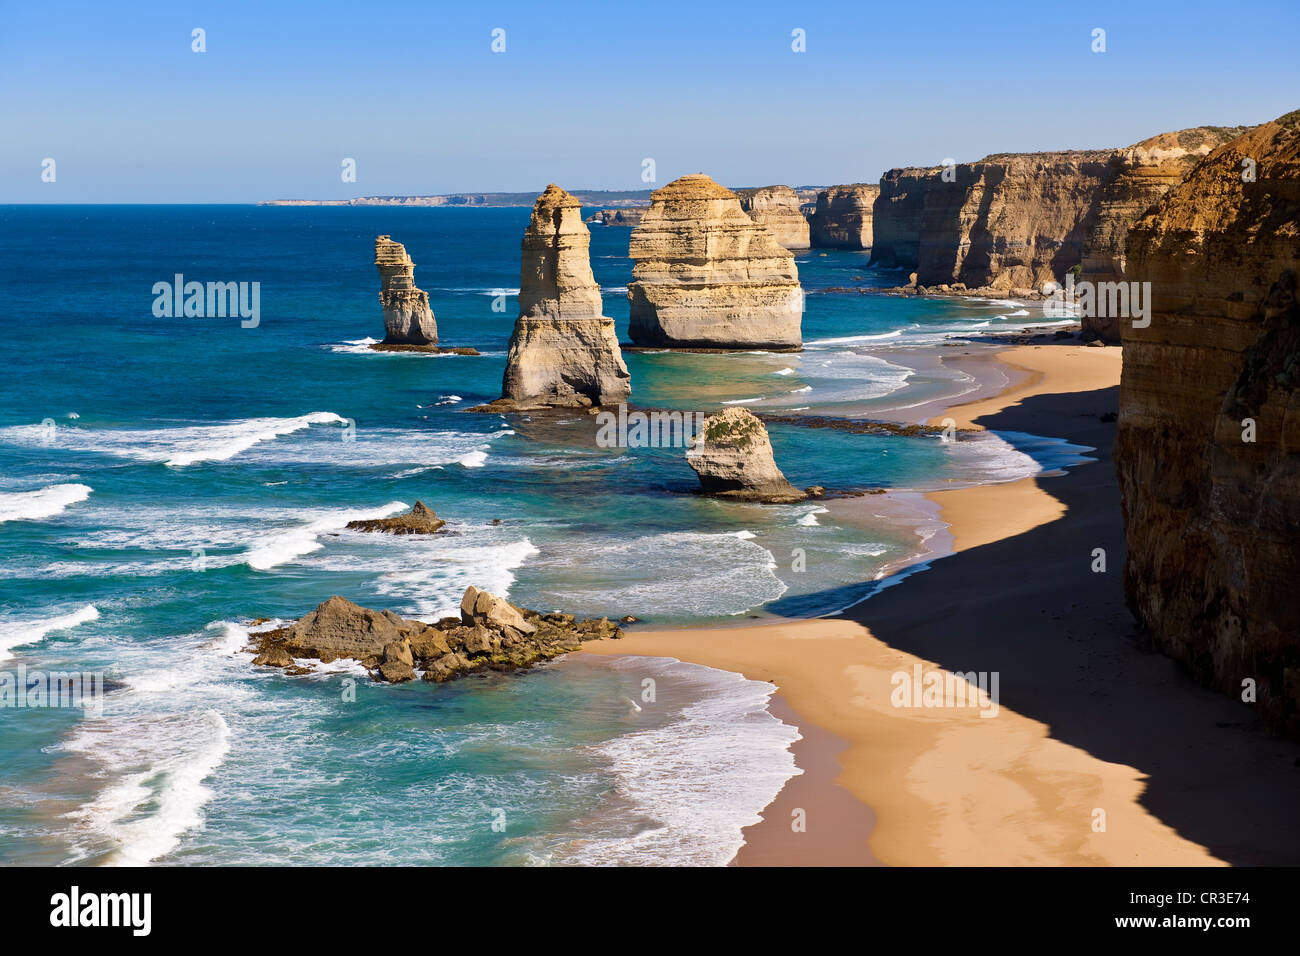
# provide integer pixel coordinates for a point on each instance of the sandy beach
(1098, 750)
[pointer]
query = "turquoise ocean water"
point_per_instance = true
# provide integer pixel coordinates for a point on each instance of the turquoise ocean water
(165, 481)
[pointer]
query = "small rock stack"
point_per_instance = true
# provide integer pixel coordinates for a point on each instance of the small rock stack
(408, 320)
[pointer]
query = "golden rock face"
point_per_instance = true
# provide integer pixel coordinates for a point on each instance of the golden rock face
(1208, 447)
(708, 276)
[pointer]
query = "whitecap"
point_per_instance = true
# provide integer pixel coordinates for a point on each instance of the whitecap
(42, 503)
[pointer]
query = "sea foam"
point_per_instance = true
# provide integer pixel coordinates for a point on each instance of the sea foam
(42, 503)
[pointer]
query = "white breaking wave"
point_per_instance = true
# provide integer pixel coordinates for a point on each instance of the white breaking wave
(854, 339)
(784, 371)
(659, 576)
(475, 459)
(175, 446)
(699, 780)
(42, 503)
(18, 633)
(288, 544)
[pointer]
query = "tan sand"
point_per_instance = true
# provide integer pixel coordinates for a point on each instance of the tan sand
(1053, 778)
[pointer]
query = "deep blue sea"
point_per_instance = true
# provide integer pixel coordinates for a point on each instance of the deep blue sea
(165, 481)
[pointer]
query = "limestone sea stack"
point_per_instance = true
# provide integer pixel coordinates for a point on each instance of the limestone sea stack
(707, 276)
(777, 208)
(1208, 443)
(490, 633)
(844, 217)
(408, 320)
(563, 352)
(1140, 175)
(732, 455)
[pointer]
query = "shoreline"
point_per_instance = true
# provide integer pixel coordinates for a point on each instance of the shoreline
(1060, 776)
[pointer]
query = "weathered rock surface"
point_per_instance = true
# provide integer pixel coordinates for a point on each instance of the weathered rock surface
(1212, 521)
(1011, 220)
(1139, 176)
(408, 320)
(708, 276)
(777, 208)
(419, 520)
(844, 217)
(563, 352)
(491, 633)
(732, 456)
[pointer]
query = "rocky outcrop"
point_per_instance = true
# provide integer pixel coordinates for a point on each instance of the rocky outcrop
(628, 218)
(1010, 221)
(408, 320)
(777, 208)
(844, 217)
(732, 456)
(563, 352)
(491, 633)
(1208, 446)
(419, 520)
(1138, 177)
(708, 276)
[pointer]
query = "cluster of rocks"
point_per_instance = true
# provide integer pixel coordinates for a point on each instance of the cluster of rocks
(1208, 441)
(628, 218)
(490, 634)
(707, 276)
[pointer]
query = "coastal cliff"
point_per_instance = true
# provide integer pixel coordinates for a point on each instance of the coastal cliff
(708, 276)
(777, 208)
(628, 218)
(844, 217)
(408, 320)
(563, 352)
(1139, 176)
(1008, 222)
(1208, 446)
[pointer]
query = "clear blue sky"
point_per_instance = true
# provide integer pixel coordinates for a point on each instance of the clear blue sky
(585, 91)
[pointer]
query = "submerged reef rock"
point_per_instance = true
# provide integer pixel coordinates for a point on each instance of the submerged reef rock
(732, 456)
(408, 320)
(490, 634)
(708, 276)
(419, 520)
(1208, 443)
(563, 352)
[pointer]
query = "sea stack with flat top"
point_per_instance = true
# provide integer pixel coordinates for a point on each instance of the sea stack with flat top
(564, 352)
(708, 277)
(732, 456)
(408, 320)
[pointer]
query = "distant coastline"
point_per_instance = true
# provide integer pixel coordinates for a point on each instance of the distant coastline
(610, 198)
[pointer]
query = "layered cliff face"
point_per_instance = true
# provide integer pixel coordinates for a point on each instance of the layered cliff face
(777, 208)
(844, 217)
(1212, 505)
(1139, 176)
(1008, 222)
(732, 455)
(708, 276)
(563, 352)
(408, 320)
